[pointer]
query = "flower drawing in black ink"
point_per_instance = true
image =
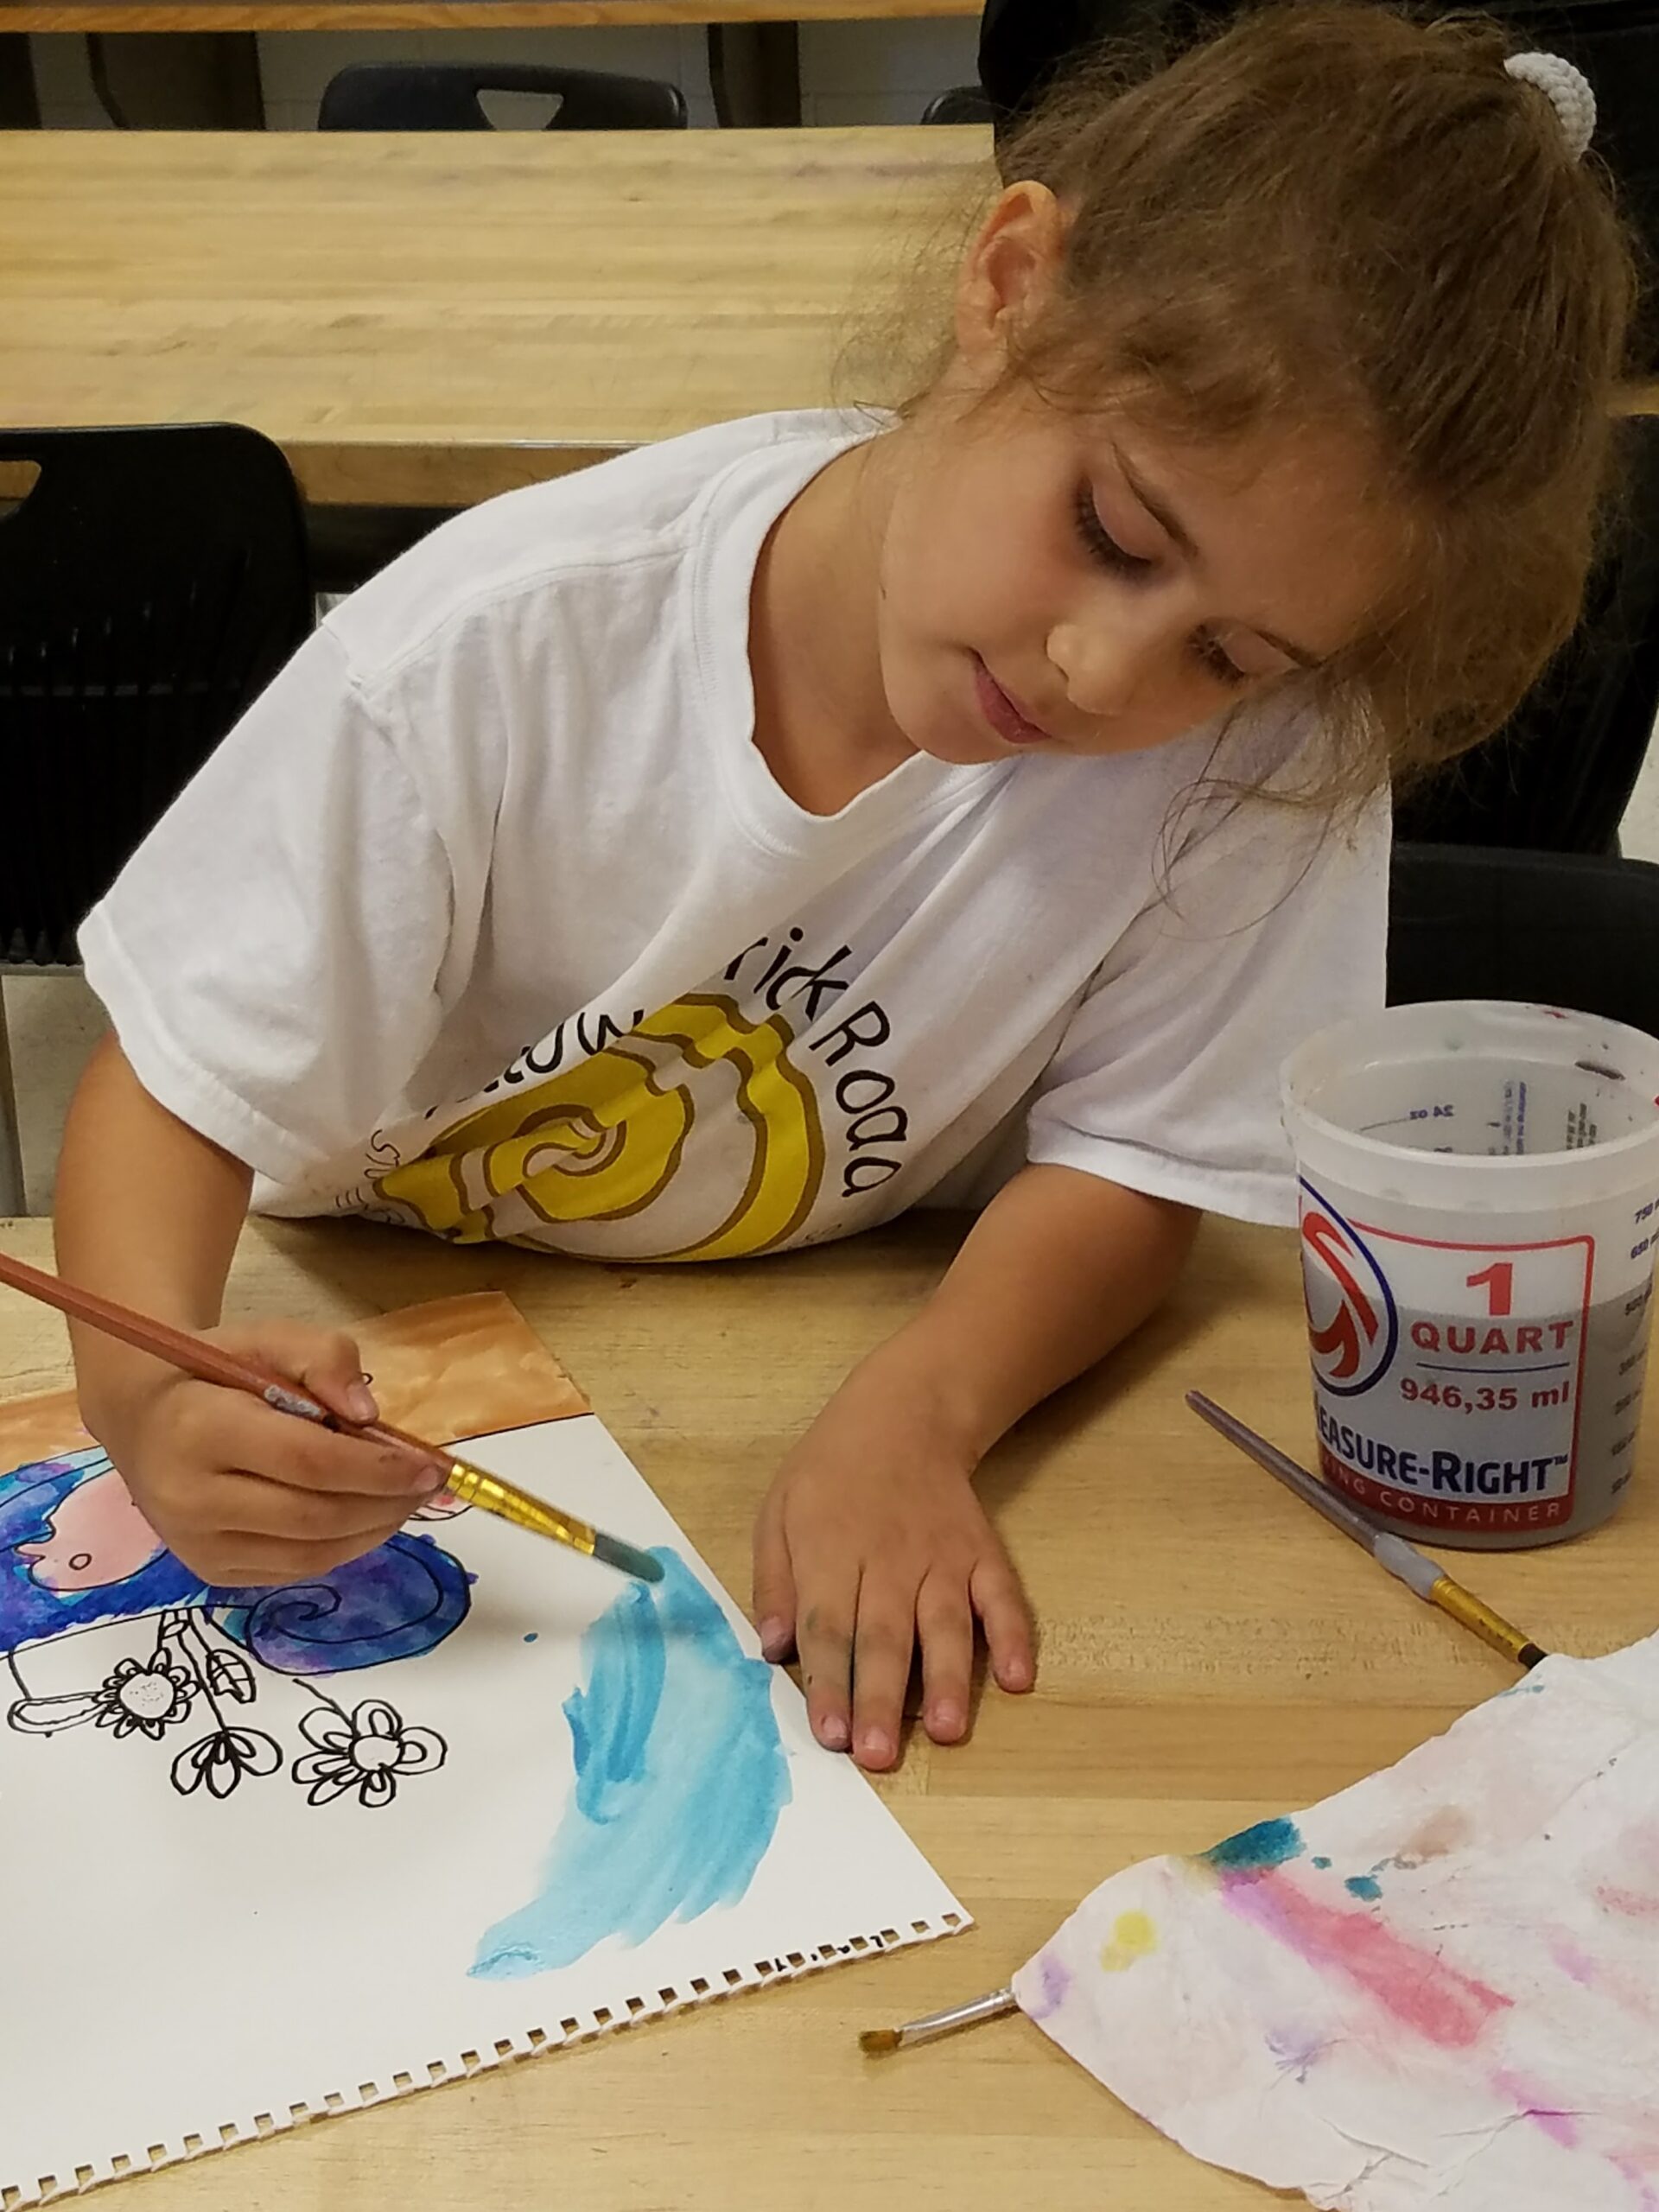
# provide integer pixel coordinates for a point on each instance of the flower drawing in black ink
(151, 1695)
(371, 1752)
(220, 1760)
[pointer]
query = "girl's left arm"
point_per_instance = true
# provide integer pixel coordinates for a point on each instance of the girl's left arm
(871, 1541)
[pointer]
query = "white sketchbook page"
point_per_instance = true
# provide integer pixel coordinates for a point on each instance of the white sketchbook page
(180, 1966)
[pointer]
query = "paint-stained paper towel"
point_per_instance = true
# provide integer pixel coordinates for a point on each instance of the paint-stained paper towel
(1439, 1988)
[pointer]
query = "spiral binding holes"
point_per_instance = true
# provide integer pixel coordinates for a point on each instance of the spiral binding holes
(700, 1989)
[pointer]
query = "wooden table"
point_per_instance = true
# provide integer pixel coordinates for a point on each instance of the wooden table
(428, 319)
(1211, 1654)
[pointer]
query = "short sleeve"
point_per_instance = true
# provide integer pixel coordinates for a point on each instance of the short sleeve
(1167, 1078)
(271, 955)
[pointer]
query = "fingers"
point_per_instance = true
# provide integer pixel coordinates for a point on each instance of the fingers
(253, 1506)
(250, 1562)
(774, 1584)
(883, 1643)
(944, 1624)
(238, 1431)
(1000, 1604)
(326, 1362)
(825, 1637)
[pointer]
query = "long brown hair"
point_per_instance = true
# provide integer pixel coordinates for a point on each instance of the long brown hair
(1334, 214)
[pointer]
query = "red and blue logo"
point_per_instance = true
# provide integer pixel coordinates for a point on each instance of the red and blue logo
(1353, 1326)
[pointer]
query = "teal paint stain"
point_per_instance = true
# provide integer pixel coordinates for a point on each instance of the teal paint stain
(1323, 1864)
(532, 1636)
(680, 1777)
(1254, 1850)
(1363, 1885)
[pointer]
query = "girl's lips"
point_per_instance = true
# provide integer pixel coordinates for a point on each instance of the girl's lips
(1012, 726)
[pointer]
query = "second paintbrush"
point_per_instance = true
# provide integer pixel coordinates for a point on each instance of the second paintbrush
(1403, 1561)
(211, 1362)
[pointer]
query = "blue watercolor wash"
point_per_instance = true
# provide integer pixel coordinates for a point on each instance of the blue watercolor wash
(680, 1778)
(1363, 1885)
(1323, 1864)
(1252, 1851)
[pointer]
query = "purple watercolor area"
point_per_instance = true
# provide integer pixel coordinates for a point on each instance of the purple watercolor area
(1055, 1978)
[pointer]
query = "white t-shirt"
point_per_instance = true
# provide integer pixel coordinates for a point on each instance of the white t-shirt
(489, 917)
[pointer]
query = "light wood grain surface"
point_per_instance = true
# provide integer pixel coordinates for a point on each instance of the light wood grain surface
(1211, 1654)
(454, 309)
(443, 15)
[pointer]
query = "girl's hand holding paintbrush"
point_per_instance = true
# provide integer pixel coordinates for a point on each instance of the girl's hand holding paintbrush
(244, 1494)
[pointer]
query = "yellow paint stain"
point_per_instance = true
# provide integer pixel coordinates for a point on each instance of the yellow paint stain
(1133, 1937)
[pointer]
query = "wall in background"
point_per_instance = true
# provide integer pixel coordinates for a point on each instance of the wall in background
(850, 73)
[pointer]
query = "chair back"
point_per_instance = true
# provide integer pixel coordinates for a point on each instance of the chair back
(1575, 930)
(446, 96)
(152, 581)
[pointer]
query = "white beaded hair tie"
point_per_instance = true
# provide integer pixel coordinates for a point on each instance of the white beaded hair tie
(1566, 89)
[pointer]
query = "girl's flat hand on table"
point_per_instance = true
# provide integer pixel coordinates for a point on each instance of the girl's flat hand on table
(871, 1545)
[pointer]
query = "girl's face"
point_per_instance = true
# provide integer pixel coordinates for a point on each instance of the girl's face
(1072, 584)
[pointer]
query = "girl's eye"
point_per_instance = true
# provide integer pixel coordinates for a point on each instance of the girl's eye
(1099, 541)
(1219, 663)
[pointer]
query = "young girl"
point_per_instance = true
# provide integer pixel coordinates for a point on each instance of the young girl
(730, 847)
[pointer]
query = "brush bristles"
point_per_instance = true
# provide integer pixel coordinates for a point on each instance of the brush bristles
(875, 2043)
(626, 1558)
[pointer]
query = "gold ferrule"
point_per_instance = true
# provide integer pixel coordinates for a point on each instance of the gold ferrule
(475, 1486)
(1462, 1605)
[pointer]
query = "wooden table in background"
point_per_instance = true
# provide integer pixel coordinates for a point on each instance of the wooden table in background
(1211, 1654)
(427, 318)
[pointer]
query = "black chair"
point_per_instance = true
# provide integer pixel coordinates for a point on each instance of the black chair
(445, 96)
(1576, 929)
(961, 104)
(152, 581)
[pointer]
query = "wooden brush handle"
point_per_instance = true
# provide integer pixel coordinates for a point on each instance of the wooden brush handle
(192, 1355)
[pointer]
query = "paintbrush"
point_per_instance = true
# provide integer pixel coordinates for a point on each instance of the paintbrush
(876, 2042)
(1418, 1571)
(210, 1362)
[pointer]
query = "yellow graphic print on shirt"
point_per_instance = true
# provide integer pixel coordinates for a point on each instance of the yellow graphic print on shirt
(604, 1140)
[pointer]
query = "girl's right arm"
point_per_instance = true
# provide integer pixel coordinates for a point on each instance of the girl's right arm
(147, 1212)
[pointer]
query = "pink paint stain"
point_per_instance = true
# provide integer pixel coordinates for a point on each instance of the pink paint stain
(1629, 1905)
(1575, 1961)
(1560, 2127)
(1435, 2000)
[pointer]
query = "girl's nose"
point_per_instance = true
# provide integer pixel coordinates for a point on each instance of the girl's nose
(1105, 667)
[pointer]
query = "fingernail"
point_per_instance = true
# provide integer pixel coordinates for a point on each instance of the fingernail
(359, 1402)
(832, 1733)
(774, 1636)
(945, 1719)
(427, 1480)
(1015, 1675)
(876, 1745)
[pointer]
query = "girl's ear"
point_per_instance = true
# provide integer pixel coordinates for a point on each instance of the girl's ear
(1008, 270)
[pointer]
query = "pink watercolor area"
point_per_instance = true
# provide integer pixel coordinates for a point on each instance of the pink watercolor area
(1628, 1905)
(1575, 1961)
(1534, 2104)
(96, 1537)
(1411, 1986)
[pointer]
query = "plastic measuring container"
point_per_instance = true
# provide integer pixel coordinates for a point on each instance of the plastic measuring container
(1479, 1215)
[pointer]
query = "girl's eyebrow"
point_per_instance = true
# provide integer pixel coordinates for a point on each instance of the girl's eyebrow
(1157, 505)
